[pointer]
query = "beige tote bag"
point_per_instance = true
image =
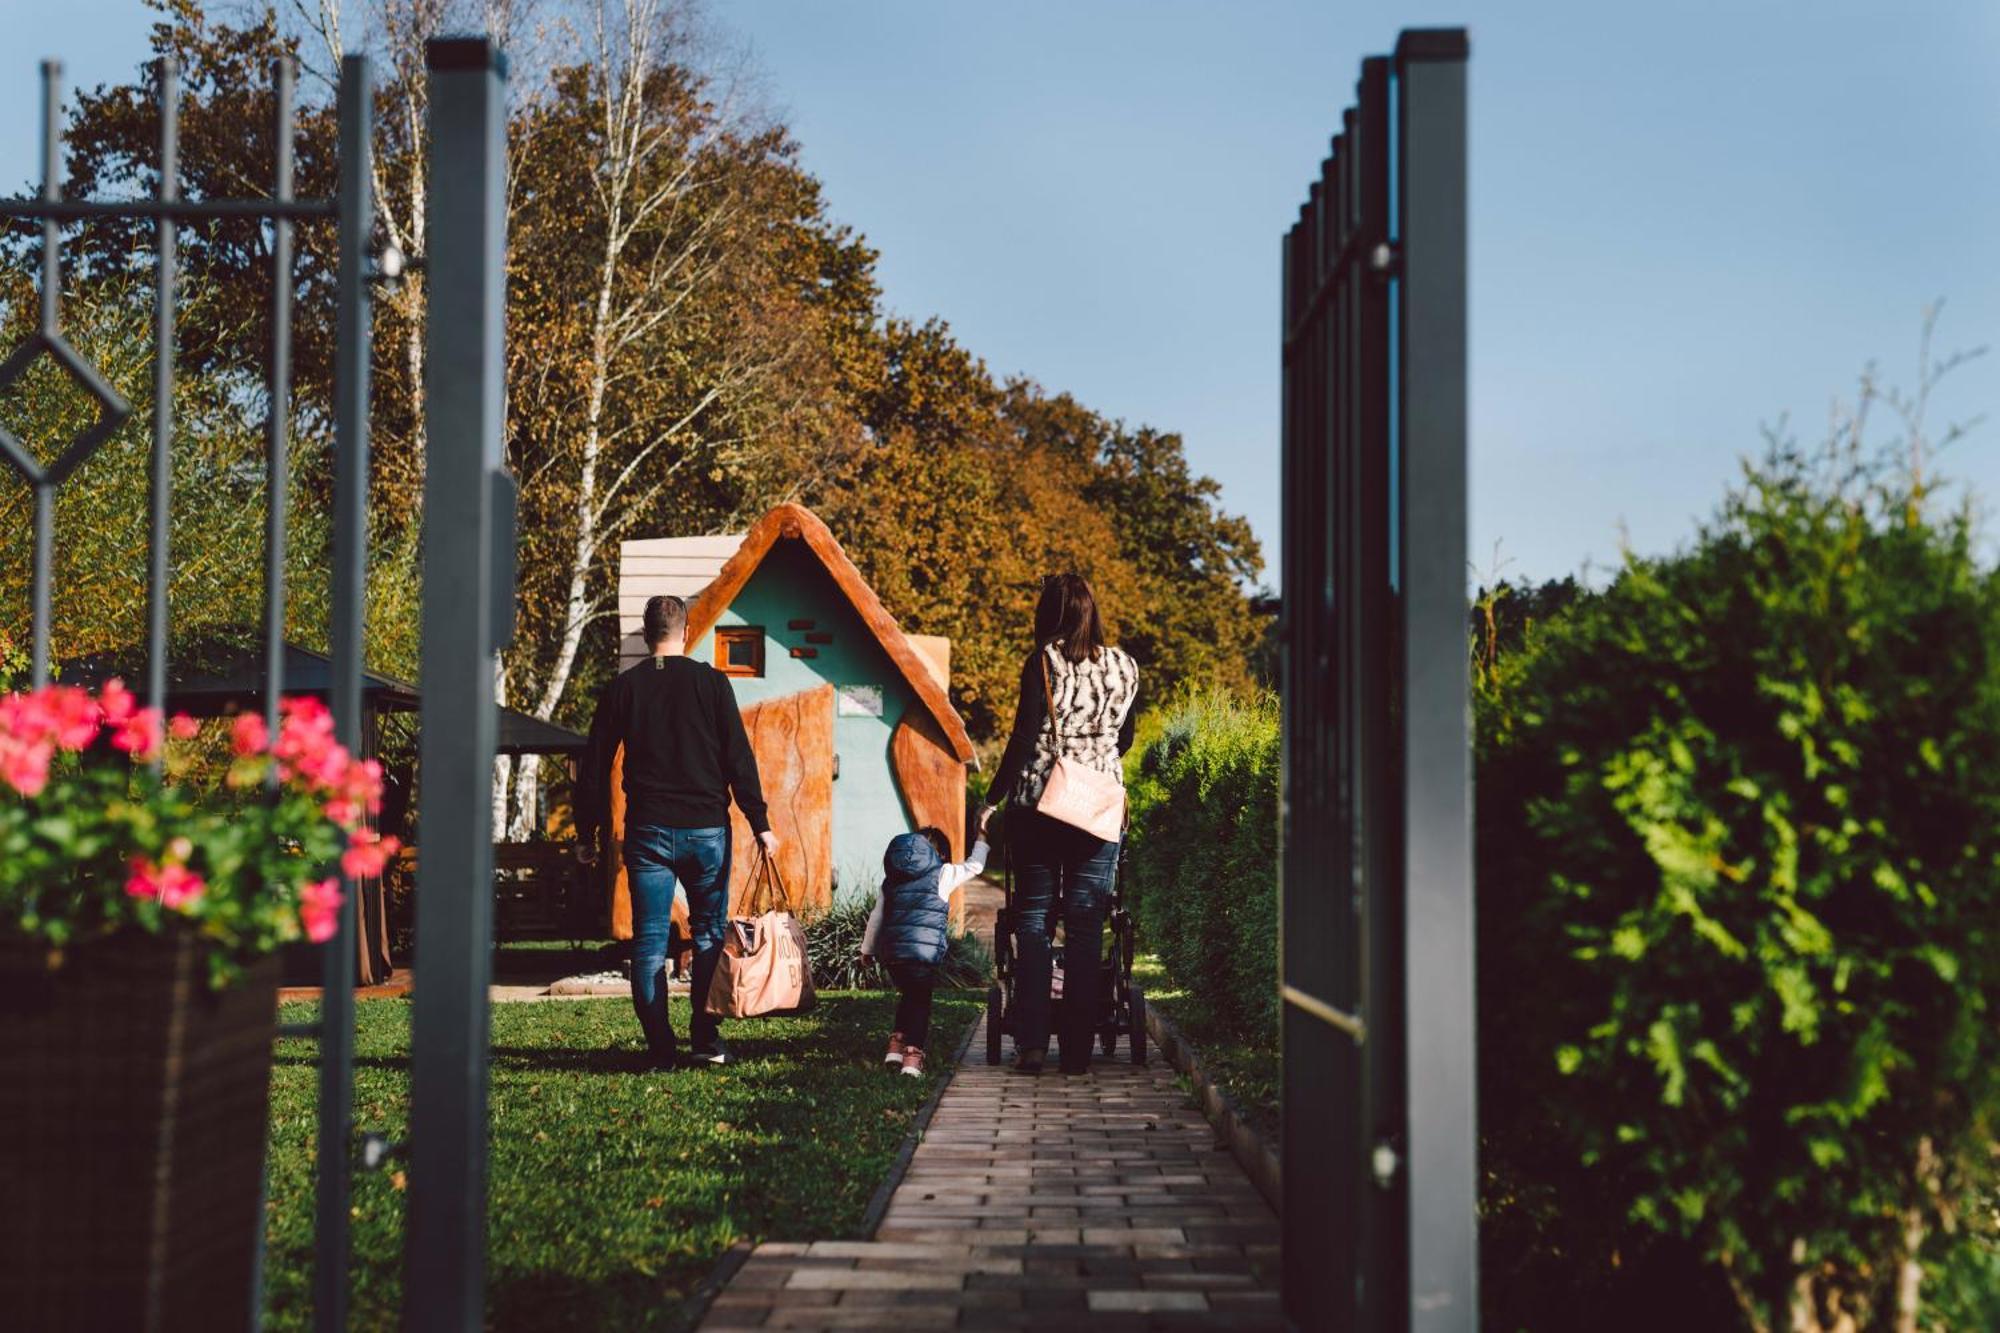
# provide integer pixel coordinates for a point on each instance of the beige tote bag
(763, 970)
(1076, 793)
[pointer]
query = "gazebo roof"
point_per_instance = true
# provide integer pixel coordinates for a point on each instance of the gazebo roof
(220, 675)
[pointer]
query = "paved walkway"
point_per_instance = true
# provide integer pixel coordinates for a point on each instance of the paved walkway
(1049, 1203)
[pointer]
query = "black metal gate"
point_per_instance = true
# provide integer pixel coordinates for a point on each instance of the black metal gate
(1379, 1145)
(468, 578)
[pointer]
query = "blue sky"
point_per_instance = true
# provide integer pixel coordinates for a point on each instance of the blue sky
(1688, 219)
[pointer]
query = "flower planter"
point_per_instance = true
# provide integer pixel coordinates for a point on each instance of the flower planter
(133, 1110)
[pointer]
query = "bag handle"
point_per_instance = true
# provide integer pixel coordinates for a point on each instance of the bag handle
(1049, 694)
(767, 886)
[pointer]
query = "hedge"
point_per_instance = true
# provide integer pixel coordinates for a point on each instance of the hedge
(1739, 925)
(1203, 859)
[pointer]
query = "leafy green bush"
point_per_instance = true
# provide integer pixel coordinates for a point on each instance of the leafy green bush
(1203, 860)
(833, 948)
(1739, 877)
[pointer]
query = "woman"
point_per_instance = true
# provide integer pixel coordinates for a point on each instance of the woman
(1091, 687)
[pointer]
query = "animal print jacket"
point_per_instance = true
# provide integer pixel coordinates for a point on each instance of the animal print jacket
(1094, 707)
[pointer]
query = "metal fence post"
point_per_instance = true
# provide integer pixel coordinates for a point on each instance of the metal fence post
(1437, 776)
(345, 640)
(444, 1276)
(1375, 903)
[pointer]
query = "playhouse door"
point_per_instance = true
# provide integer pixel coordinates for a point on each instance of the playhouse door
(792, 737)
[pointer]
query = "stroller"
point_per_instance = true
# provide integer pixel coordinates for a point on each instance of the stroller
(1121, 1005)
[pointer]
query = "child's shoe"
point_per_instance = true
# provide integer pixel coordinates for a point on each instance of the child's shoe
(894, 1055)
(913, 1061)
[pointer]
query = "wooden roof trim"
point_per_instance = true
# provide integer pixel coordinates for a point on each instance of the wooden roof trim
(794, 520)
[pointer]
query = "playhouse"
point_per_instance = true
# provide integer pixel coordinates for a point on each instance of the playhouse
(855, 735)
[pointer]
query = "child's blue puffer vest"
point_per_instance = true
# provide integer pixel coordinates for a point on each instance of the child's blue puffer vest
(914, 919)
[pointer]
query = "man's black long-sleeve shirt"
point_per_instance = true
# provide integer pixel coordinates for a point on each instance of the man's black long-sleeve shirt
(686, 751)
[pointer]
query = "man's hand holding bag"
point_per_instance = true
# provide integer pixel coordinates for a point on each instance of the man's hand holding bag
(763, 970)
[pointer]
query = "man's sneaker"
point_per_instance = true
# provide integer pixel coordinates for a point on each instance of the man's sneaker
(896, 1048)
(716, 1055)
(913, 1061)
(651, 1062)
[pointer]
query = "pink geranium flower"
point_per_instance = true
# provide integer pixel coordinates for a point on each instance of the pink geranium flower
(172, 885)
(306, 747)
(73, 716)
(141, 734)
(116, 701)
(319, 910)
(59, 713)
(249, 735)
(24, 764)
(367, 853)
(183, 727)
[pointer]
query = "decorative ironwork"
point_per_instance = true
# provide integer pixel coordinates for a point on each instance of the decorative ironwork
(47, 340)
(353, 211)
(1380, 1169)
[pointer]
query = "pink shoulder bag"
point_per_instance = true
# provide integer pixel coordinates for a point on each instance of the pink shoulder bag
(1077, 794)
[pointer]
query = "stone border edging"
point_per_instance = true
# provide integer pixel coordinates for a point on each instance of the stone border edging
(705, 1291)
(878, 1203)
(732, 1259)
(1257, 1158)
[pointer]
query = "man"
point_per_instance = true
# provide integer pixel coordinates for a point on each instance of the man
(686, 754)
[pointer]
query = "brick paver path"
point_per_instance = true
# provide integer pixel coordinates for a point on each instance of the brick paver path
(1049, 1203)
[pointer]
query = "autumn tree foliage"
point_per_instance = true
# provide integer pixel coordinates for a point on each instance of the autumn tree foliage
(692, 337)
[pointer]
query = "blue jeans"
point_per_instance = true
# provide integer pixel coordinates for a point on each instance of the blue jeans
(1056, 863)
(656, 859)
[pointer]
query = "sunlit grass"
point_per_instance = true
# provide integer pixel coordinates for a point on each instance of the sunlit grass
(611, 1193)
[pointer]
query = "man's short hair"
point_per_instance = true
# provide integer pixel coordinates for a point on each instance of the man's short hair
(666, 616)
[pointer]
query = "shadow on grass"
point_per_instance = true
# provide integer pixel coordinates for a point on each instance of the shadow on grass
(399, 1063)
(552, 1299)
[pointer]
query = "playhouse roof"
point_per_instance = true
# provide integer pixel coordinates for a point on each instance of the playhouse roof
(711, 571)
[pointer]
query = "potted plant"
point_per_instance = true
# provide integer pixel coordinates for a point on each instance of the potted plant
(149, 871)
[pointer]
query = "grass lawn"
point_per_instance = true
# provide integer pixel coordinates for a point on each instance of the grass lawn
(1243, 1065)
(611, 1194)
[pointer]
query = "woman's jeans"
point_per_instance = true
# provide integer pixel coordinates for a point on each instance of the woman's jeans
(914, 983)
(1056, 863)
(656, 859)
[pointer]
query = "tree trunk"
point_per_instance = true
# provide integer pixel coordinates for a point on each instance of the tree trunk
(583, 552)
(1909, 1269)
(503, 765)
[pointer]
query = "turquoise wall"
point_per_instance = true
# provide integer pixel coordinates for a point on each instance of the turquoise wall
(868, 809)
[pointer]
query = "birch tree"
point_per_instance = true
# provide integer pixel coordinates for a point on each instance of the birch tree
(669, 334)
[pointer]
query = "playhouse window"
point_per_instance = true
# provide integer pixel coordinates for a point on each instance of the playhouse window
(740, 651)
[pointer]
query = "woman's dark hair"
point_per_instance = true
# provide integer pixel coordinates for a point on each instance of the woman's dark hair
(934, 835)
(1067, 613)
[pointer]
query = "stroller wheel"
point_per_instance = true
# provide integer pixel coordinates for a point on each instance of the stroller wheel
(1138, 1026)
(994, 1014)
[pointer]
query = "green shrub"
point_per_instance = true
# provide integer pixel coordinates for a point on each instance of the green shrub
(1203, 860)
(1739, 893)
(833, 947)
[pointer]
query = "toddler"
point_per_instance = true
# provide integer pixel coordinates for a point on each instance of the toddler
(907, 931)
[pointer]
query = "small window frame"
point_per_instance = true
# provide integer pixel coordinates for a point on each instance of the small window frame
(727, 637)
